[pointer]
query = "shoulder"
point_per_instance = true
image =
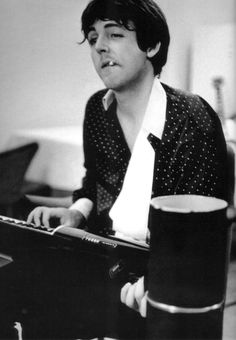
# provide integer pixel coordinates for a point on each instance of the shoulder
(193, 107)
(185, 99)
(95, 117)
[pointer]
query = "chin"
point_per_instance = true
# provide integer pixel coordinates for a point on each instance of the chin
(114, 85)
(111, 85)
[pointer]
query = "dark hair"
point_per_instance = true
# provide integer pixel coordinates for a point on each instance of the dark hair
(149, 21)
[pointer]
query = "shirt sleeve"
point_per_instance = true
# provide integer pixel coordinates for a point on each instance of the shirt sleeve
(204, 160)
(88, 189)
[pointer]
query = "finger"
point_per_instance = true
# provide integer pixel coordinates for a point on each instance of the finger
(62, 214)
(46, 218)
(34, 213)
(36, 216)
(139, 290)
(130, 297)
(30, 217)
(143, 306)
(124, 291)
(66, 221)
(231, 214)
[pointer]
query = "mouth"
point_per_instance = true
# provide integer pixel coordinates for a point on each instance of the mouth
(109, 63)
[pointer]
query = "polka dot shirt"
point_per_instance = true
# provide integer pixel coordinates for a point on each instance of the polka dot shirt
(190, 158)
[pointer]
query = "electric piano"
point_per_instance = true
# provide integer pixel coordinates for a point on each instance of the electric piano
(52, 277)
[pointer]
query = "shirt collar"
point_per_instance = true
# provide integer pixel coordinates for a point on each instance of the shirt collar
(108, 99)
(154, 119)
(155, 116)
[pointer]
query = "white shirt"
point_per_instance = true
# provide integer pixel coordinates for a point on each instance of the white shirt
(131, 209)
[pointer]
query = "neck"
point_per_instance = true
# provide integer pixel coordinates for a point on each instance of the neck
(131, 108)
(132, 102)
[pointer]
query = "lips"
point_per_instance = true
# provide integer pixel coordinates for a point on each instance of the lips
(111, 63)
(108, 63)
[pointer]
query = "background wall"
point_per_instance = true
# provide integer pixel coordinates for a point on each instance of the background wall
(46, 77)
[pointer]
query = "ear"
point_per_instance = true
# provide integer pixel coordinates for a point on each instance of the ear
(151, 52)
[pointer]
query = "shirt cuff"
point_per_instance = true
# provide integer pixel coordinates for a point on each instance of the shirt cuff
(83, 205)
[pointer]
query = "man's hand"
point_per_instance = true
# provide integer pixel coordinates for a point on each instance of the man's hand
(134, 296)
(68, 217)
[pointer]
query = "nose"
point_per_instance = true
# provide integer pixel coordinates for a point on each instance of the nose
(101, 45)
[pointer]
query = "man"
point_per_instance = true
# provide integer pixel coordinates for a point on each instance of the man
(141, 138)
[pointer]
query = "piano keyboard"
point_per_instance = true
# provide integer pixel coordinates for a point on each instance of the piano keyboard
(25, 225)
(20, 240)
(73, 233)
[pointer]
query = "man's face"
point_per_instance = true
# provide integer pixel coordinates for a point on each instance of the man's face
(116, 56)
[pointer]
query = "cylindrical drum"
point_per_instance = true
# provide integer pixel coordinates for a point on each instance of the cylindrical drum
(189, 254)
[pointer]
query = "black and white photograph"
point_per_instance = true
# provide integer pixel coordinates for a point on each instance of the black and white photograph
(117, 170)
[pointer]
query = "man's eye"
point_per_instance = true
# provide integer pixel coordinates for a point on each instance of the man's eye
(116, 35)
(92, 41)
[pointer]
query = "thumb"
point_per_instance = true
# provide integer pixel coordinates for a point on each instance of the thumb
(231, 214)
(143, 306)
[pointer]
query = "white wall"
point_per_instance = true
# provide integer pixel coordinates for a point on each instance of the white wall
(213, 58)
(184, 17)
(46, 77)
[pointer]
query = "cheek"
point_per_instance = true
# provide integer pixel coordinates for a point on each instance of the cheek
(136, 61)
(134, 55)
(94, 58)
